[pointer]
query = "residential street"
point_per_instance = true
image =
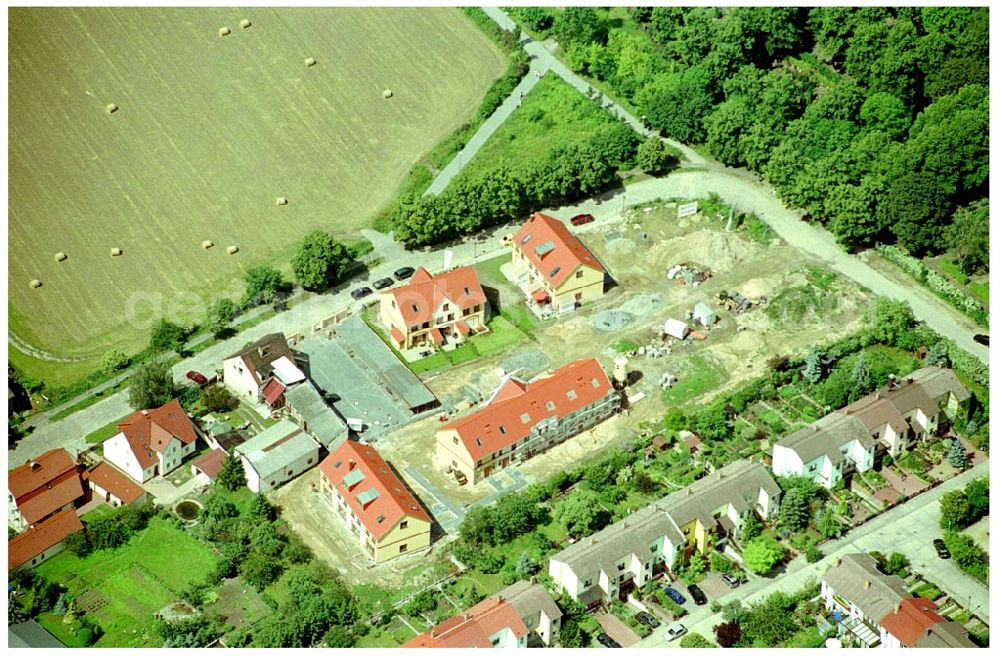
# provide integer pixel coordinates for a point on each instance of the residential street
(908, 528)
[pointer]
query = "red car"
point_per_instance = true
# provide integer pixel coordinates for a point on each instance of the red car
(581, 219)
(197, 377)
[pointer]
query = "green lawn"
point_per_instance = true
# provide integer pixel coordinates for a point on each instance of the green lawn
(124, 587)
(503, 333)
(697, 377)
(981, 291)
(553, 114)
(807, 638)
(105, 432)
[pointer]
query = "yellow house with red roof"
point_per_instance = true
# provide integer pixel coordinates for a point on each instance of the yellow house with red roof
(522, 419)
(381, 513)
(554, 266)
(434, 309)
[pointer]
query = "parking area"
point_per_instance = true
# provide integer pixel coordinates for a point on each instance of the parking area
(617, 630)
(351, 362)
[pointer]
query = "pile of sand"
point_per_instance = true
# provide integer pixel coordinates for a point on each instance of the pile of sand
(643, 305)
(621, 245)
(720, 252)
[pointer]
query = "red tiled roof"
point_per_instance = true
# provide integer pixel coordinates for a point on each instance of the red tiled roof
(52, 499)
(418, 300)
(25, 479)
(519, 406)
(151, 430)
(915, 616)
(394, 501)
(568, 252)
(211, 462)
(436, 336)
(473, 627)
(397, 335)
(462, 327)
(540, 295)
(23, 548)
(114, 481)
(272, 391)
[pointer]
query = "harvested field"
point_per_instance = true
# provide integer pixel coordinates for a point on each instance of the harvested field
(209, 131)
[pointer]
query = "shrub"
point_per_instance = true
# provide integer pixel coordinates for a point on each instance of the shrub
(934, 281)
(813, 554)
(115, 360)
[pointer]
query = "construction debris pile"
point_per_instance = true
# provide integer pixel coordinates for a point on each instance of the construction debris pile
(736, 302)
(688, 274)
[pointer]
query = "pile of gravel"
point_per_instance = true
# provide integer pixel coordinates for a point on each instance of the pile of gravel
(643, 305)
(611, 320)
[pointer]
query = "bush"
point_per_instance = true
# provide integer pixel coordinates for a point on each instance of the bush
(114, 361)
(813, 554)
(937, 283)
(217, 398)
(696, 641)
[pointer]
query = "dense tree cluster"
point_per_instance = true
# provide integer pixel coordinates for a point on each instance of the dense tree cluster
(882, 136)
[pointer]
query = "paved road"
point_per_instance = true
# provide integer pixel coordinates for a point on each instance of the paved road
(908, 528)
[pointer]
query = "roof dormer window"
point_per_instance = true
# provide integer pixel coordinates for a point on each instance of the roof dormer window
(551, 405)
(571, 395)
(525, 239)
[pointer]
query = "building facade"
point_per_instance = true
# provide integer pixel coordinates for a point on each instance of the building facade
(41, 488)
(522, 419)
(276, 455)
(827, 451)
(152, 442)
(247, 371)
(553, 266)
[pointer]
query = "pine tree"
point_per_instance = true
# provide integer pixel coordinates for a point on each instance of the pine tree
(793, 514)
(813, 370)
(752, 528)
(956, 455)
(861, 377)
(232, 477)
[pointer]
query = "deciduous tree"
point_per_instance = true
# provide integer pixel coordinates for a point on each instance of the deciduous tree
(152, 385)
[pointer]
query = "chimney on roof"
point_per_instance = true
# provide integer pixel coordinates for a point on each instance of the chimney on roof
(909, 380)
(35, 465)
(690, 492)
(350, 465)
(592, 541)
(878, 394)
(433, 633)
(868, 584)
(899, 604)
(839, 561)
(533, 579)
(466, 616)
(721, 475)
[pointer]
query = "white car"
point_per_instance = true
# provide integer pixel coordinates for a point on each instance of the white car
(675, 632)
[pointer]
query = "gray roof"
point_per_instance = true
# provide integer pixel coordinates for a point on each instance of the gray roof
(937, 381)
(320, 420)
(261, 353)
(856, 579)
(733, 484)
(826, 436)
(631, 535)
(528, 599)
(277, 446)
(946, 634)
(30, 634)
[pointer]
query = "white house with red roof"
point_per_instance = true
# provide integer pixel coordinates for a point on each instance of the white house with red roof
(43, 541)
(263, 370)
(553, 266)
(42, 487)
(434, 309)
(152, 442)
(381, 513)
(522, 419)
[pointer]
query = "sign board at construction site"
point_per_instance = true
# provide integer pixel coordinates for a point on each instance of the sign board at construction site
(687, 209)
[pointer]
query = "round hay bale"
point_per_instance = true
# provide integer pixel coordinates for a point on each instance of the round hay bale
(245, 23)
(35, 283)
(233, 250)
(115, 251)
(223, 31)
(110, 108)
(281, 200)
(207, 244)
(310, 61)
(387, 93)
(60, 256)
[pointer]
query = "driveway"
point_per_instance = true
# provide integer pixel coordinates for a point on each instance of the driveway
(908, 528)
(617, 630)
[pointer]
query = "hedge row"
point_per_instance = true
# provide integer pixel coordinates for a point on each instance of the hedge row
(935, 282)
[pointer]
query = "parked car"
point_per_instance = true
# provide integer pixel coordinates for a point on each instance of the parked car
(403, 273)
(674, 595)
(361, 292)
(697, 594)
(982, 339)
(675, 632)
(647, 619)
(383, 283)
(581, 219)
(197, 377)
(731, 580)
(941, 548)
(607, 641)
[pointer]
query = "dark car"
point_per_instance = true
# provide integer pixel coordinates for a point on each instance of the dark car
(982, 339)
(403, 273)
(197, 377)
(731, 580)
(361, 292)
(697, 594)
(607, 641)
(941, 548)
(647, 619)
(581, 219)
(383, 283)
(674, 595)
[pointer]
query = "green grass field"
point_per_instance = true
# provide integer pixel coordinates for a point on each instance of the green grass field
(697, 376)
(209, 132)
(551, 115)
(123, 588)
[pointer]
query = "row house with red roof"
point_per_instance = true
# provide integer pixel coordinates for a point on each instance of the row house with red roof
(152, 442)
(42, 541)
(523, 418)
(432, 310)
(381, 513)
(553, 266)
(41, 488)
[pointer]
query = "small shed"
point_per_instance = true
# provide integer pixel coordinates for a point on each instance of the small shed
(675, 328)
(704, 315)
(691, 440)
(659, 443)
